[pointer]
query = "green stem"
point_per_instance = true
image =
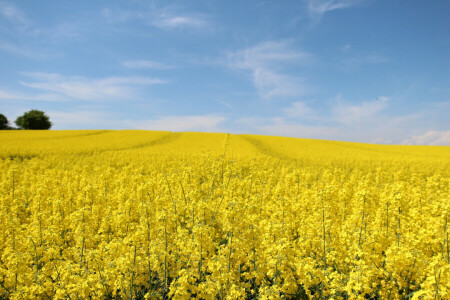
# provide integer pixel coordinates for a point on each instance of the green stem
(324, 238)
(132, 274)
(362, 221)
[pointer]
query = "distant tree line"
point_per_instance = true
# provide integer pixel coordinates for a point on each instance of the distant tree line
(33, 119)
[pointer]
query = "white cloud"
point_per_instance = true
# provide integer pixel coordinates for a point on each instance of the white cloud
(85, 118)
(181, 123)
(267, 54)
(317, 8)
(173, 21)
(12, 13)
(359, 60)
(430, 138)
(224, 103)
(367, 121)
(281, 127)
(303, 131)
(166, 18)
(145, 64)
(270, 84)
(265, 61)
(346, 47)
(70, 30)
(299, 110)
(356, 113)
(78, 87)
(385, 131)
(25, 51)
(40, 97)
(76, 117)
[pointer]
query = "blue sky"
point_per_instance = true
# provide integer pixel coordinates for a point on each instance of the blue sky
(374, 71)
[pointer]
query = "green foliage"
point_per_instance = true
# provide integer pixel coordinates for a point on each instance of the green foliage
(4, 123)
(34, 119)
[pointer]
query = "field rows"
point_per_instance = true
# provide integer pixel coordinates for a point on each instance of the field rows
(159, 215)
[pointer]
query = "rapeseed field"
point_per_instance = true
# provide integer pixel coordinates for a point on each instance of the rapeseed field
(162, 215)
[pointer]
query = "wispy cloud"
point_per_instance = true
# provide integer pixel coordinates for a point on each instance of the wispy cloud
(298, 130)
(167, 21)
(299, 110)
(166, 18)
(355, 61)
(207, 123)
(26, 51)
(362, 112)
(29, 39)
(267, 54)
(430, 138)
(281, 127)
(366, 121)
(267, 63)
(83, 88)
(12, 13)
(73, 29)
(77, 117)
(85, 118)
(317, 8)
(146, 64)
(271, 84)
(8, 96)
(224, 103)
(346, 47)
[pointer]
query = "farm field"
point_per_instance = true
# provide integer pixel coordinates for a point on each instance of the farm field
(176, 215)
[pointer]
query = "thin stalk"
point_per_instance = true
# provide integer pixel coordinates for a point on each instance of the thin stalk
(387, 219)
(448, 251)
(240, 272)
(324, 237)
(82, 251)
(201, 258)
(362, 221)
(35, 258)
(438, 279)
(399, 227)
(446, 230)
(132, 274)
(102, 280)
(40, 230)
(224, 154)
(229, 261)
(14, 240)
(165, 259)
(276, 273)
(254, 262)
(282, 223)
(106, 193)
(13, 187)
(148, 253)
(171, 197)
(184, 195)
(14, 249)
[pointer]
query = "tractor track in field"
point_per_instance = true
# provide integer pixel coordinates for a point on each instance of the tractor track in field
(265, 149)
(165, 139)
(74, 136)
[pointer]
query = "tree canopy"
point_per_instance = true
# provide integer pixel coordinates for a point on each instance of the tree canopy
(4, 123)
(34, 119)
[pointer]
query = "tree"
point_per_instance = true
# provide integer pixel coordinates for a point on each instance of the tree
(34, 119)
(4, 123)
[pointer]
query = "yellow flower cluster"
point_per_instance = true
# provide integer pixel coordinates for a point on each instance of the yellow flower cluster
(152, 215)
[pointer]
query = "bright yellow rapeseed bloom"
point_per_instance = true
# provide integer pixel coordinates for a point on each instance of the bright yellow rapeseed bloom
(153, 215)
